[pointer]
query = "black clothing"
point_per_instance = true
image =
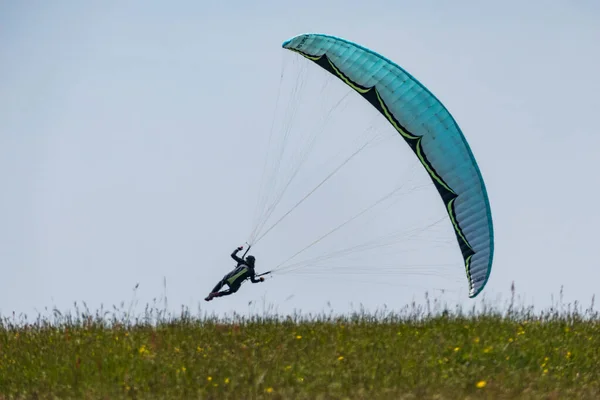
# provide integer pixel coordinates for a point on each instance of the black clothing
(235, 278)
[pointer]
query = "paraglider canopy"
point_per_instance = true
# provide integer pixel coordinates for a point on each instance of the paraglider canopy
(428, 129)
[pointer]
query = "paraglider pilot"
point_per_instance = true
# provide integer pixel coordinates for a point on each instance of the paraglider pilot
(234, 279)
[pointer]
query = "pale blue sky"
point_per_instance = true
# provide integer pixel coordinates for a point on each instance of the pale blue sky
(132, 140)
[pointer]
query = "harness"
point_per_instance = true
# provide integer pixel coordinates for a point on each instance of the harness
(239, 271)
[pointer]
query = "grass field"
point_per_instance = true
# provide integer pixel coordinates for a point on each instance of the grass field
(414, 353)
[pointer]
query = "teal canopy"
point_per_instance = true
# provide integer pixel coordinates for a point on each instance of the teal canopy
(430, 131)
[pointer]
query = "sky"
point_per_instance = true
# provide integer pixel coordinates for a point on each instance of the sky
(133, 137)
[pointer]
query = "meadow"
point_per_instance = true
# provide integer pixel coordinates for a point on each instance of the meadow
(418, 352)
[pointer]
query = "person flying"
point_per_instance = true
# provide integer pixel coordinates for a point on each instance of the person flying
(235, 278)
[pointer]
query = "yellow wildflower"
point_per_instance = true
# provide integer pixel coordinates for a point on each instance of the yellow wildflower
(143, 350)
(481, 384)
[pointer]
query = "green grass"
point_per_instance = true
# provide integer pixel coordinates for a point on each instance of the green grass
(414, 353)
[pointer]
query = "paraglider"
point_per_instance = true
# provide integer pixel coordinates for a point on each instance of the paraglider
(234, 279)
(411, 112)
